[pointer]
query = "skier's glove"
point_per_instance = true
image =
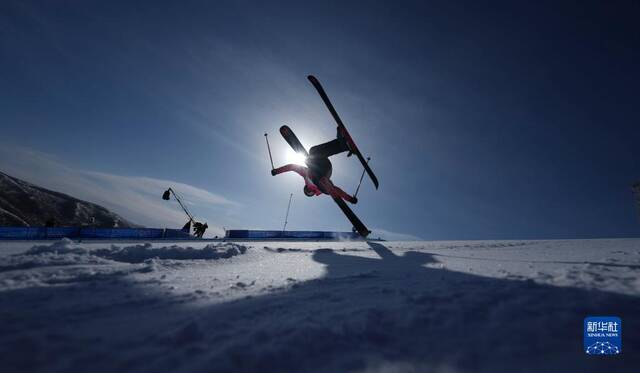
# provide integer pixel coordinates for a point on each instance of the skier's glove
(273, 172)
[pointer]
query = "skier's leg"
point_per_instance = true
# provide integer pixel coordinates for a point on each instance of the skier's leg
(327, 187)
(328, 149)
(342, 194)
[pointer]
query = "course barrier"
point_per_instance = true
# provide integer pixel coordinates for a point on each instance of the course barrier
(52, 233)
(275, 235)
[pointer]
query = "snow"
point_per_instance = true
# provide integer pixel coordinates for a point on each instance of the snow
(487, 306)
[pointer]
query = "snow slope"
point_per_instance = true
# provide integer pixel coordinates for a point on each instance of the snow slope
(487, 306)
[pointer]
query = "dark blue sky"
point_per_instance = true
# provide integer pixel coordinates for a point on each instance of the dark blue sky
(514, 120)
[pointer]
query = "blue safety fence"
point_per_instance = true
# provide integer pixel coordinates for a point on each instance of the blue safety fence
(47, 233)
(306, 235)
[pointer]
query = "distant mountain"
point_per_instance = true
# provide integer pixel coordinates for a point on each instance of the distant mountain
(24, 204)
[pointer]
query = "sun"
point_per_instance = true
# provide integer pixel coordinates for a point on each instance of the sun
(295, 158)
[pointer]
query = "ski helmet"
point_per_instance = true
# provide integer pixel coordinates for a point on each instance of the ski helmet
(308, 192)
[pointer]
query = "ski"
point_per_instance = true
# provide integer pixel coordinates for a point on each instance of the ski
(357, 224)
(292, 140)
(342, 129)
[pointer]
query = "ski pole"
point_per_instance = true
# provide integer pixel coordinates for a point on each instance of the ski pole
(269, 149)
(361, 177)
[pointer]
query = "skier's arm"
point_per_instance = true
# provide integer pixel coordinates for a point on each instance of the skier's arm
(300, 170)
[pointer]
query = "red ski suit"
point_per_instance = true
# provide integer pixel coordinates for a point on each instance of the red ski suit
(325, 184)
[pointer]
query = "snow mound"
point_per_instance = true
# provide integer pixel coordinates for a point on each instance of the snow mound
(142, 252)
(59, 253)
(64, 246)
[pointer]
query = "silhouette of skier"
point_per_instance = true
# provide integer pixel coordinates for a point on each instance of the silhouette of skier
(317, 173)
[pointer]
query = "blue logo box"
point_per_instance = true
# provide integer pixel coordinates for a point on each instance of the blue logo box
(602, 335)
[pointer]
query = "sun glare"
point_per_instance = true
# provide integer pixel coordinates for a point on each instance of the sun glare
(295, 158)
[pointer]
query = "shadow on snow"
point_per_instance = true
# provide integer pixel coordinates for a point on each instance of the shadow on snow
(392, 313)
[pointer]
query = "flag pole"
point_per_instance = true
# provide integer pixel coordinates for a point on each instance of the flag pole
(286, 218)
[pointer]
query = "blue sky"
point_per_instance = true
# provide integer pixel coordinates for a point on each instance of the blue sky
(508, 121)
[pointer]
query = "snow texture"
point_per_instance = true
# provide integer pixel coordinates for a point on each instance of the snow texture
(483, 306)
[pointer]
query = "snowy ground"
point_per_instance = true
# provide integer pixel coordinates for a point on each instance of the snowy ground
(487, 306)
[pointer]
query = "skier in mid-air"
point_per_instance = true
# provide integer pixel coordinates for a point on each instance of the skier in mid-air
(317, 173)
